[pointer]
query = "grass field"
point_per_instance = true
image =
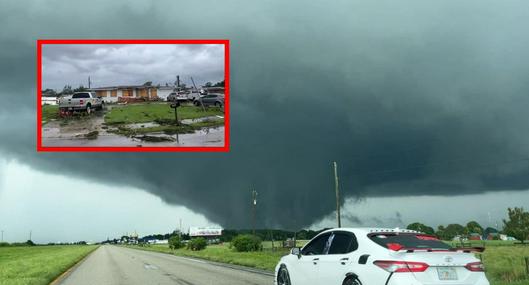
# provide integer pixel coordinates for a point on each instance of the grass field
(49, 112)
(38, 265)
(503, 261)
(150, 112)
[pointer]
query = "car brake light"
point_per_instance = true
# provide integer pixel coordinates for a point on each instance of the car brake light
(475, 267)
(401, 266)
(394, 246)
(81, 101)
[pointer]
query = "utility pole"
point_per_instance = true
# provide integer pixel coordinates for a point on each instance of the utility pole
(254, 204)
(2, 235)
(199, 98)
(337, 190)
(89, 82)
(30, 235)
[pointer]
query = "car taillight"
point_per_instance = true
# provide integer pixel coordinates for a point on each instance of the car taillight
(81, 101)
(401, 266)
(475, 267)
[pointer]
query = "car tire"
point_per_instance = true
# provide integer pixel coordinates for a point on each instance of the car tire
(351, 280)
(218, 104)
(283, 277)
(88, 109)
(197, 103)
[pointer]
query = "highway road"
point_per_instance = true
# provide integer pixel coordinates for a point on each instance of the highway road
(110, 265)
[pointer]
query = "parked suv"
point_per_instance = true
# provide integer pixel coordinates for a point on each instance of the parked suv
(356, 256)
(80, 101)
(216, 100)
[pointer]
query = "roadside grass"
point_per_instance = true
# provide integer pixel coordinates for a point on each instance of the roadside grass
(150, 112)
(36, 265)
(49, 112)
(503, 260)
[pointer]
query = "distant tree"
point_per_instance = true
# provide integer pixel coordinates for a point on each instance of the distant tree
(183, 85)
(518, 224)
(421, 228)
(243, 243)
(208, 84)
(196, 244)
(67, 90)
(30, 242)
(148, 83)
(49, 92)
(175, 242)
(219, 84)
(453, 230)
(81, 88)
(474, 227)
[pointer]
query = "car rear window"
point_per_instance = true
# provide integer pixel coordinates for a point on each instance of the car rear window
(81, 95)
(416, 241)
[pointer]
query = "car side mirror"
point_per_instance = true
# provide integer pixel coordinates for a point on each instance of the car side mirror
(296, 251)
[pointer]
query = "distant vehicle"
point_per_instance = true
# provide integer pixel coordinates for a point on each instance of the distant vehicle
(216, 100)
(356, 256)
(193, 95)
(80, 101)
(177, 97)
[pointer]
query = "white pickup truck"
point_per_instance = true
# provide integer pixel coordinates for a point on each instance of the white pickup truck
(80, 101)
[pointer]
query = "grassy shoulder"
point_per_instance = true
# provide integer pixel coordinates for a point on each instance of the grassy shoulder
(21, 265)
(49, 112)
(266, 259)
(152, 112)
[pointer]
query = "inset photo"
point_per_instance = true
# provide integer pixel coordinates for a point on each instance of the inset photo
(133, 95)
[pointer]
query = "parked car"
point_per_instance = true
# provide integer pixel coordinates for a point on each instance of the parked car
(356, 256)
(176, 97)
(80, 101)
(216, 100)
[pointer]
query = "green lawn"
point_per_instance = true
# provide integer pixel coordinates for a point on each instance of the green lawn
(151, 112)
(503, 261)
(38, 265)
(50, 112)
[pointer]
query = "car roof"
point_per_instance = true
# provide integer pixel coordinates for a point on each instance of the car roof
(366, 230)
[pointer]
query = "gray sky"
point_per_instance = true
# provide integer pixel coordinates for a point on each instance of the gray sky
(423, 103)
(110, 65)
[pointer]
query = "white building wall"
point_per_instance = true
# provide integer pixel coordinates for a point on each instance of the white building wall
(163, 93)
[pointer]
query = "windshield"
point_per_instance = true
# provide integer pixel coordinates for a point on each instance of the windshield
(415, 241)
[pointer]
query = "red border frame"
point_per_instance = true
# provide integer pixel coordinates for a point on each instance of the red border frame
(224, 148)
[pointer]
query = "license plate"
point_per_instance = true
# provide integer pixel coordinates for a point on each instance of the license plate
(446, 273)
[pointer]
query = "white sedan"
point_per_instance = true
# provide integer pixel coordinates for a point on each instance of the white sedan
(356, 256)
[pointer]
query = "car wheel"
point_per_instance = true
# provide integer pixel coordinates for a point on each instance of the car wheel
(197, 103)
(88, 109)
(352, 280)
(283, 278)
(218, 104)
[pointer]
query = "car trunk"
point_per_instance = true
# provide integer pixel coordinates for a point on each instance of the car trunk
(444, 267)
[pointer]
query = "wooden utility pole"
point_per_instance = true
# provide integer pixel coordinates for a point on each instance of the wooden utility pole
(89, 82)
(254, 205)
(199, 98)
(337, 190)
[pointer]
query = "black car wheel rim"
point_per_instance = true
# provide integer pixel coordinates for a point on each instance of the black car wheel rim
(283, 278)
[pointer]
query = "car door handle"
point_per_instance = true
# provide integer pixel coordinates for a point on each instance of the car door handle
(343, 260)
(315, 260)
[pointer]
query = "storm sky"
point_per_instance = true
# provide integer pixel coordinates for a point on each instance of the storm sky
(421, 103)
(133, 64)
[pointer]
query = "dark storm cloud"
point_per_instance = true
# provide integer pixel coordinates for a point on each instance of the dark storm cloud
(419, 98)
(130, 64)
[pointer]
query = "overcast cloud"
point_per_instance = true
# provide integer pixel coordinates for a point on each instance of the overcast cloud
(111, 65)
(411, 98)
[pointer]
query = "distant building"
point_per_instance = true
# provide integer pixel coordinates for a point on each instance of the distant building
(112, 94)
(214, 89)
(475, 236)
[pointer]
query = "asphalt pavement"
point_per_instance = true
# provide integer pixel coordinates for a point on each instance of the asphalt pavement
(110, 265)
